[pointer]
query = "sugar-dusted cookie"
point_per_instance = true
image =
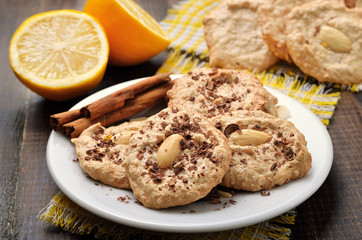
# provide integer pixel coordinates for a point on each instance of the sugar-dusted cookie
(176, 158)
(101, 152)
(267, 151)
(212, 91)
(324, 41)
(272, 19)
(233, 37)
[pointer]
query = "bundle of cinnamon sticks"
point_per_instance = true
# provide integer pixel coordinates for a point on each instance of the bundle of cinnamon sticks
(115, 107)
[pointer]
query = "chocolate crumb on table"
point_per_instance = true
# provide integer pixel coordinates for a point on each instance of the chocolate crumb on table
(265, 193)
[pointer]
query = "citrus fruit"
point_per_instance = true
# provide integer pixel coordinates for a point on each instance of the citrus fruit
(134, 36)
(59, 54)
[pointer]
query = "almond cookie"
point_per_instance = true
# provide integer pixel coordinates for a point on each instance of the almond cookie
(267, 151)
(212, 91)
(101, 152)
(324, 41)
(272, 19)
(176, 158)
(233, 37)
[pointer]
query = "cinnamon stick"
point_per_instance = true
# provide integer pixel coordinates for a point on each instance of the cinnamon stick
(116, 100)
(57, 120)
(106, 104)
(132, 106)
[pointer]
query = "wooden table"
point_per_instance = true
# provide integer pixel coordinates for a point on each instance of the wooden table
(333, 212)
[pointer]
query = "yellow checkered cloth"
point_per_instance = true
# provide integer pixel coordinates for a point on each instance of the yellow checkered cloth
(186, 52)
(62, 212)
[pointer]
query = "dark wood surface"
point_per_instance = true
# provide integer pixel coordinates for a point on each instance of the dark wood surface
(333, 212)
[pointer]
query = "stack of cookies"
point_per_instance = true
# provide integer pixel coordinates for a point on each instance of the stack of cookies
(322, 38)
(220, 128)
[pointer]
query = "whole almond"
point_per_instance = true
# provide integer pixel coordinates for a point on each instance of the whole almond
(249, 137)
(123, 137)
(224, 194)
(334, 39)
(169, 150)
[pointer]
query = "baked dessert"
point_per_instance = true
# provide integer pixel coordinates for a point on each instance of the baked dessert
(267, 151)
(212, 91)
(324, 41)
(233, 37)
(101, 150)
(272, 19)
(176, 158)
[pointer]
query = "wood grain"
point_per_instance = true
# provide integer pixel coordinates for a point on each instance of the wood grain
(333, 212)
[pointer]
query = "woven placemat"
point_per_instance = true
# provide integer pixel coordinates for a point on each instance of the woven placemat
(64, 213)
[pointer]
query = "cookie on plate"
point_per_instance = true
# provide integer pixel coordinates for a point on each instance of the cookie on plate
(212, 91)
(233, 37)
(267, 151)
(272, 19)
(176, 158)
(324, 41)
(101, 152)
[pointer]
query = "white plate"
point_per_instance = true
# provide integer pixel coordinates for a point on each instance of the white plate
(250, 208)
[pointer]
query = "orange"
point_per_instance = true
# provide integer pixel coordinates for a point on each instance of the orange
(59, 54)
(134, 36)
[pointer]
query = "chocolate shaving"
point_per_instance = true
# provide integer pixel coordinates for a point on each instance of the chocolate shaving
(273, 166)
(156, 179)
(265, 193)
(288, 152)
(218, 125)
(214, 72)
(195, 77)
(178, 169)
(230, 129)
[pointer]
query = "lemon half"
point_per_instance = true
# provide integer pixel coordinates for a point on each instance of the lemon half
(59, 54)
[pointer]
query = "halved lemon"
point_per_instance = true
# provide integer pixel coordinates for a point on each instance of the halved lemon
(59, 54)
(134, 36)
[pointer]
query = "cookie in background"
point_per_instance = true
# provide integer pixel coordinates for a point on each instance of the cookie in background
(272, 20)
(324, 41)
(233, 37)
